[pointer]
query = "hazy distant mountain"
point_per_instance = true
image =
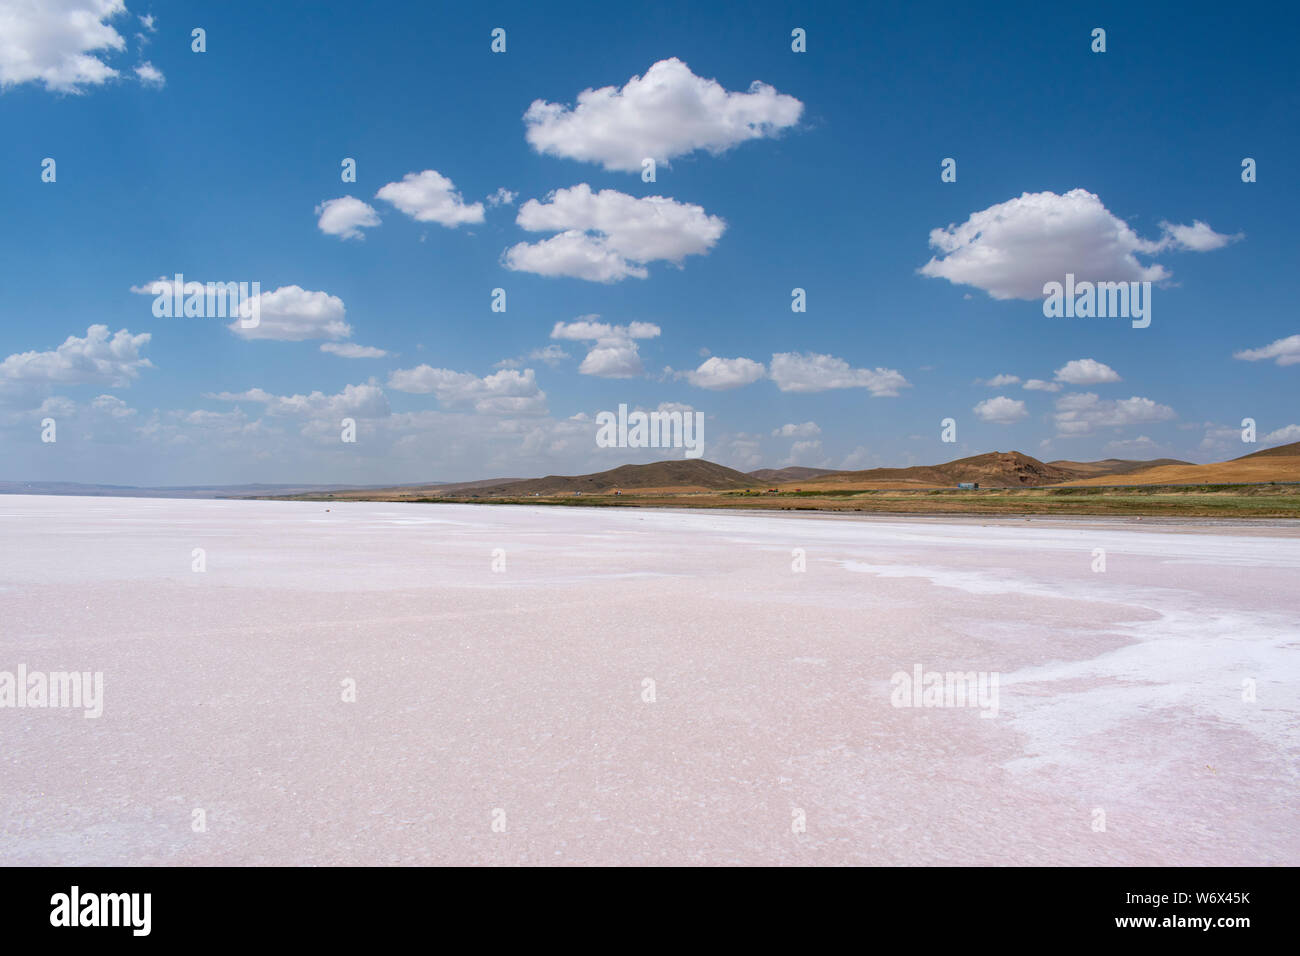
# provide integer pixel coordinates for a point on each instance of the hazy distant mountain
(678, 474)
(437, 487)
(179, 491)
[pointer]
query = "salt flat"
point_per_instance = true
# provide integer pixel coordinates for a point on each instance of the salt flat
(1125, 730)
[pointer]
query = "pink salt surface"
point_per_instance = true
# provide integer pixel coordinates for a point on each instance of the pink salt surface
(522, 690)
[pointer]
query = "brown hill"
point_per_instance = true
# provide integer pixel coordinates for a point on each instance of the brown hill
(994, 470)
(679, 475)
(425, 490)
(776, 476)
(1272, 464)
(1278, 451)
(1113, 466)
(454, 487)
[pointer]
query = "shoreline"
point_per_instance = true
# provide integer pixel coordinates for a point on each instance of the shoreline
(679, 505)
(1205, 507)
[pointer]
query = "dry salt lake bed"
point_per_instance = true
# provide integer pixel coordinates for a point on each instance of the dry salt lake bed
(644, 687)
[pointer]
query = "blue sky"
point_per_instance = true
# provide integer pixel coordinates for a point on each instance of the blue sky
(216, 165)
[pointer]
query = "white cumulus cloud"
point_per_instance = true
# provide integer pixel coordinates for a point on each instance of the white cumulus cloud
(429, 196)
(352, 350)
(355, 401)
(1013, 248)
(1086, 372)
(1080, 413)
(507, 392)
(288, 314)
(811, 372)
(1038, 385)
(100, 358)
(1198, 237)
(58, 43)
(1000, 410)
(552, 355)
(150, 75)
(294, 314)
(723, 373)
(615, 353)
(608, 236)
(668, 112)
(1282, 436)
(1286, 351)
(112, 406)
(806, 430)
(345, 217)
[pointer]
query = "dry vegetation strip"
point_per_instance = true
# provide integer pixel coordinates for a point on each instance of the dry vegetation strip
(1253, 501)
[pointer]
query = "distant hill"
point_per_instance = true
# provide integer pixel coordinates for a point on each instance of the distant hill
(1280, 451)
(439, 487)
(177, 491)
(994, 469)
(1011, 469)
(795, 473)
(1272, 464)
(1112, 466)
(678, 475)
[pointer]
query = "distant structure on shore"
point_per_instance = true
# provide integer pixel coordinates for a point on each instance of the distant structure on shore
(968, 485)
